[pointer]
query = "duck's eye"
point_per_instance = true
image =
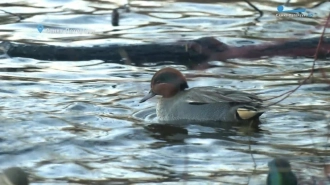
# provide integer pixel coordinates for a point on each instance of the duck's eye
(157, 81)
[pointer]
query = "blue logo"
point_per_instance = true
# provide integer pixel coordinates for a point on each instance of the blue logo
(280, 9)
(40, 27)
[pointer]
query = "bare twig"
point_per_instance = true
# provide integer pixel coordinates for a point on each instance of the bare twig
(287, 94)
(115, 14)
(287, 2)
(115, 18)
(253, 159)
(19, 16)
(256, 9)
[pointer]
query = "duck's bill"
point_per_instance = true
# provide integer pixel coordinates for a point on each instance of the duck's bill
(147, 97)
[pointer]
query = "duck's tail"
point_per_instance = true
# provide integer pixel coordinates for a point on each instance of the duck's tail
(247, 113)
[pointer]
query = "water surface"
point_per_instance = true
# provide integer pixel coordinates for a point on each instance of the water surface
(80, 122)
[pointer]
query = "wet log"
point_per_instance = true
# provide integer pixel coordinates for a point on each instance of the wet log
(218, 51)
(133, 54)
(187, 53)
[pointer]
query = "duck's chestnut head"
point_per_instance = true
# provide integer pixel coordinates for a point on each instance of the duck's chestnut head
(166, 82)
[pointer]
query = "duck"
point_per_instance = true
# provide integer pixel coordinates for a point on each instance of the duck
(178, 102)
(14, 176)
(280, 173)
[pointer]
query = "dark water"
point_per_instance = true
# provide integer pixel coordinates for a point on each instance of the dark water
(81, 123)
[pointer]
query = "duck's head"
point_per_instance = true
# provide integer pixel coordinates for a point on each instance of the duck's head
(166, 82)
(280, 173)
(279, 165)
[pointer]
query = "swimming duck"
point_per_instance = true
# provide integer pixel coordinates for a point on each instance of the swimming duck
(200, 103)
(14, 176)
(280, 173)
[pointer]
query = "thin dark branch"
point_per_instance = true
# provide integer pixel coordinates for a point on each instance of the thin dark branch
(19, 16)
(256, 9)
(311, 73)
(320, 3)
(116, 15)
(250, 150)
(287, 3)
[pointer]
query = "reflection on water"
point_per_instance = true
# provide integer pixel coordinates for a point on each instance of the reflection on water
(80, 122)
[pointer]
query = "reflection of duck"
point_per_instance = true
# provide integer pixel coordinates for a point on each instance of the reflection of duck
(14, 176)
(200, 103)
(170, 133)
(280, 173)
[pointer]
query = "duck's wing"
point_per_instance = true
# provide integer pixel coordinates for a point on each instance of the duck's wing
(246, 105)
(208, 95)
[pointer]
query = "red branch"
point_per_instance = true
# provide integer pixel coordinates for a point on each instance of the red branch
(287, 94)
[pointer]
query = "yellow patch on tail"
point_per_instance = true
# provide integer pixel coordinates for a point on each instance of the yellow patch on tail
(246, 113)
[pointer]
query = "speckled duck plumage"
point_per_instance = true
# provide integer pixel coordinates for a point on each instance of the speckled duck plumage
(200, 103)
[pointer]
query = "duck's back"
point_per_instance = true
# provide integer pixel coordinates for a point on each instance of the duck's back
(206, 104)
